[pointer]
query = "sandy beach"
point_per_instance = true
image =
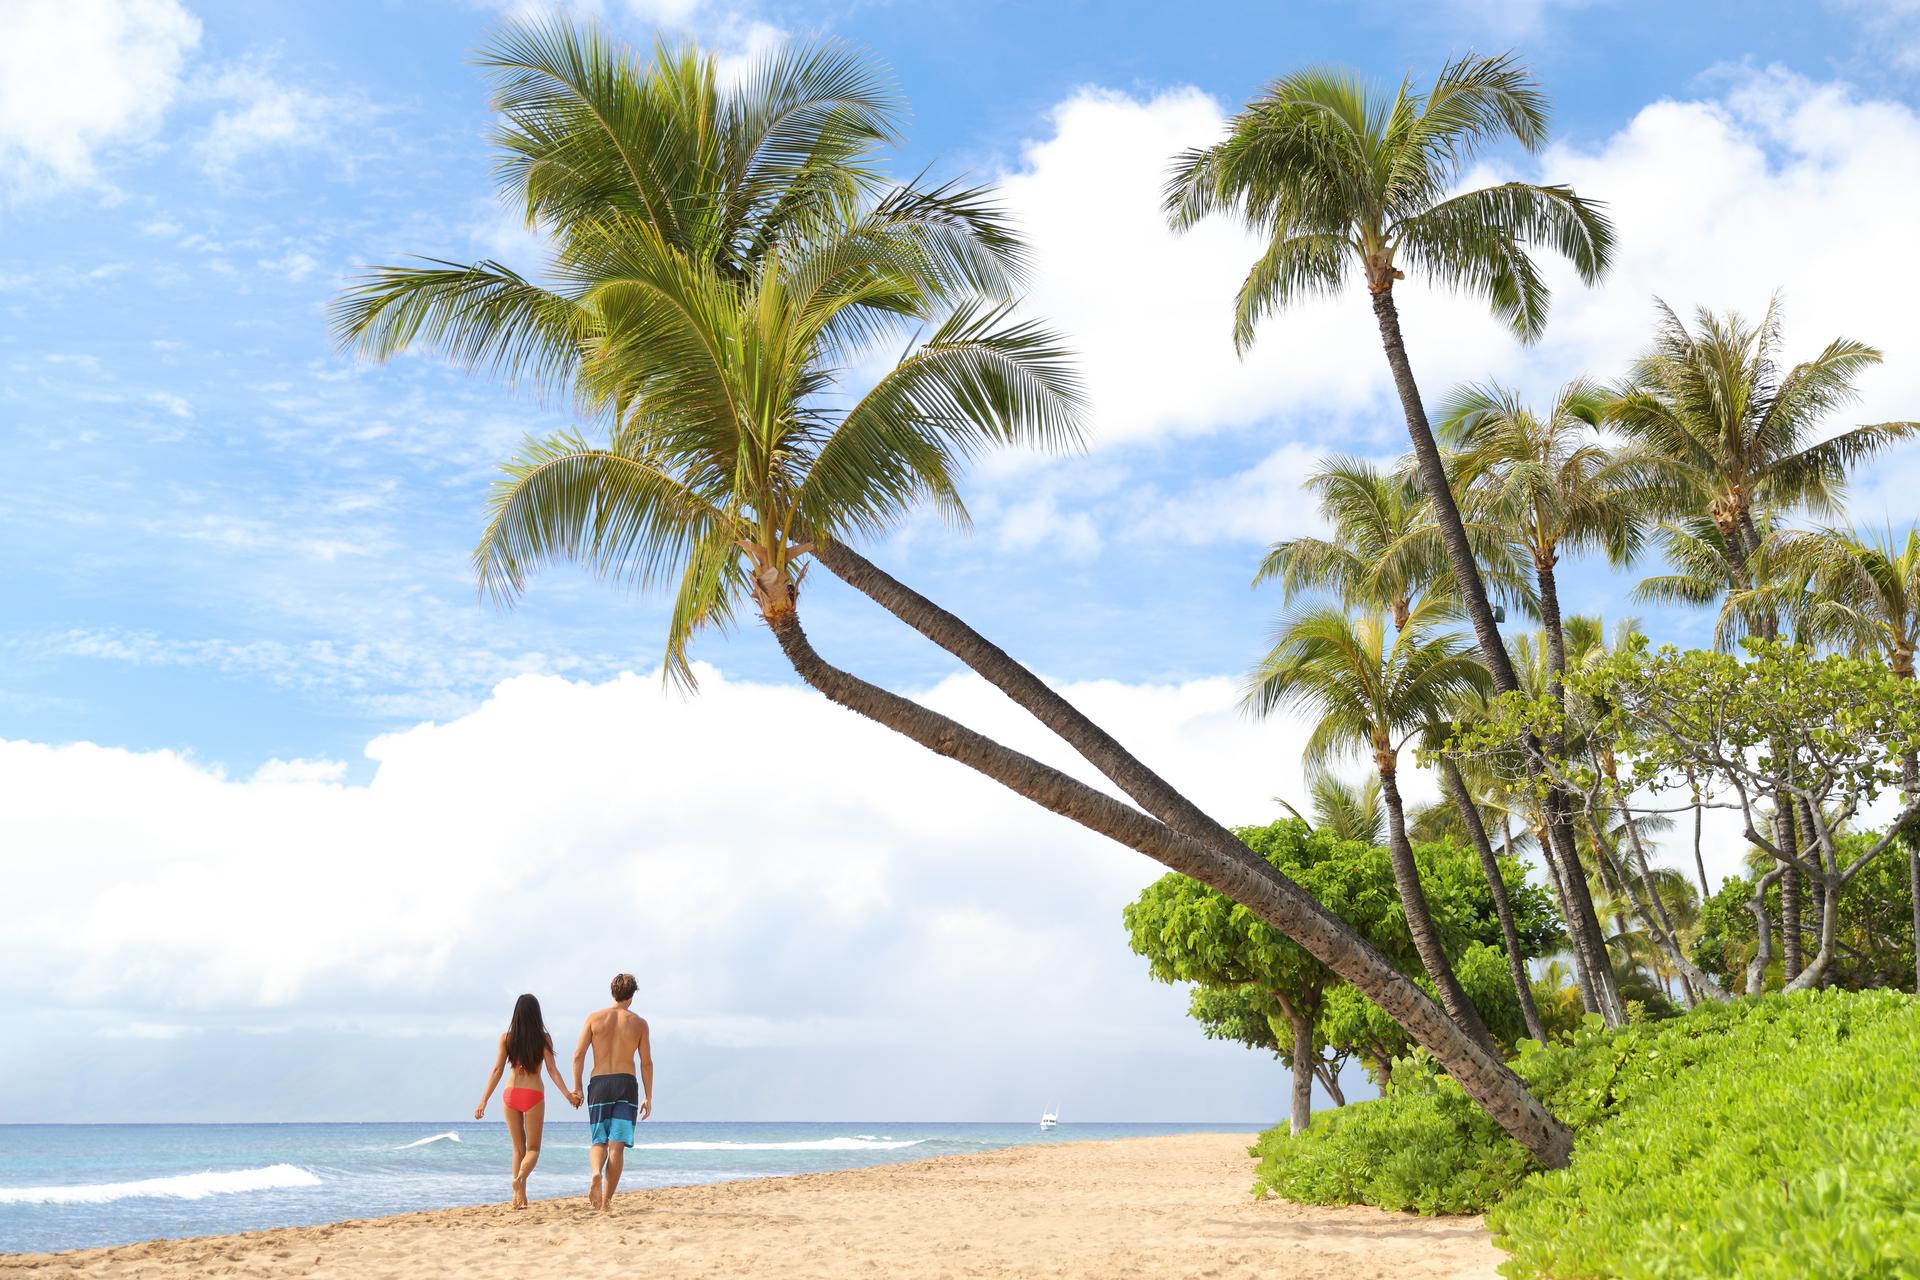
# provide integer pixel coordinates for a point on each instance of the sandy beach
(1173, 1206)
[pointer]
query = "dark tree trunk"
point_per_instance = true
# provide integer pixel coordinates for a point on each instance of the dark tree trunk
(1248, 880)
(1582, 927)
(1426, 938)
(1497, 886)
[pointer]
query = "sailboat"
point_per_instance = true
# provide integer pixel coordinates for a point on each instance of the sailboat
(1050, 1117)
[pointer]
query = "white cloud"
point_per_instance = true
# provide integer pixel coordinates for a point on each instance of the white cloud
(295, 264)
(778, 871)
(264, 113)
(1891, 27)
(1261, 504)
(1779, 182)
(80, 76)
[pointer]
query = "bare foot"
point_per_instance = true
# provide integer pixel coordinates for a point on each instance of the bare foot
(519, 1194)
(593, 1192)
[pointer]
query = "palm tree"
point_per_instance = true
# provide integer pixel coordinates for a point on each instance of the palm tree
(1340, 175)
(1729, 433)
(1385, 551)
(729, 463)
(1367, 695)
(1866, 595)
(1348, 810)
(1550, 478)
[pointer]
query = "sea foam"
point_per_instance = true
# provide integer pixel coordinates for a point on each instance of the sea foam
(822, 1144)
(438, 1137)
(186, 1186)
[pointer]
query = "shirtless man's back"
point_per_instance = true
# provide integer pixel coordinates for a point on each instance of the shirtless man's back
(615, 1102)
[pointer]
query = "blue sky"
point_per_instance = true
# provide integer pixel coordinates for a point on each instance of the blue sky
(233, 558)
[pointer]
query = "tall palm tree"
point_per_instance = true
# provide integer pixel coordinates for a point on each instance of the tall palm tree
(1866, 595)
(1731, 433)
(1550, 478)
(1343, 177)
(1385, 551)
(728, 463)
(1469, 827)
(1370, 696)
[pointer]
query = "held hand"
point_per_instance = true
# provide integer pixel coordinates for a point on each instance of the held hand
(646, 1108)
(578, 1098)
(480, 1112)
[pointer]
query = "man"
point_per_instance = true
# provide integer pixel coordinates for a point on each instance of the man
(614, 1101)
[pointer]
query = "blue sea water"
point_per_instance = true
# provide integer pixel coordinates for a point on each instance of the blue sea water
(79, 1186)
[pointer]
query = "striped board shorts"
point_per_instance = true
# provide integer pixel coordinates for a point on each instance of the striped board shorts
(613, 1104)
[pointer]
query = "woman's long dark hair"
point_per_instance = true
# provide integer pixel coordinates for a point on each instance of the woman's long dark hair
(527, 1038)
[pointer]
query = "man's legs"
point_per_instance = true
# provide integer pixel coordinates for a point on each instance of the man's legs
(598, 1155)
(616, 1161)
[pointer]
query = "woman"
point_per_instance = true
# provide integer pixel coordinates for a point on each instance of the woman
(524, 1047)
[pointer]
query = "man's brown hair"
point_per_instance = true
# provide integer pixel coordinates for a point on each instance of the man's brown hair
(624, 986)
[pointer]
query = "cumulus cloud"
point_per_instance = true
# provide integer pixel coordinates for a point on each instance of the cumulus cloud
(78, 77)
(1779, 182)
(780, 872)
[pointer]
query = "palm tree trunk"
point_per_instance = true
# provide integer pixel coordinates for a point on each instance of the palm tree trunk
(1582, 927)
(1497, 886)
(1250, 881)
(1413, 900)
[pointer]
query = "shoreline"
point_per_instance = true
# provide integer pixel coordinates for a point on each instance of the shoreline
(1158, 1206)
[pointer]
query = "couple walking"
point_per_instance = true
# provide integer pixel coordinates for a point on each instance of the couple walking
(615, 1101)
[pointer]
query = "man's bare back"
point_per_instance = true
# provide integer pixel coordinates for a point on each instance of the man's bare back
(615, 1101)
(616, 1033)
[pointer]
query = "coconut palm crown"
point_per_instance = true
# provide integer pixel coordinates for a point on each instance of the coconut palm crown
(1340, 175)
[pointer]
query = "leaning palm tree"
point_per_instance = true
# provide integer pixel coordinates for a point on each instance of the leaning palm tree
(1342, 178)
(727, 459)
(1369, 695)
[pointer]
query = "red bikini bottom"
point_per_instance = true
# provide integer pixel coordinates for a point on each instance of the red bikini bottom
(523, 1099)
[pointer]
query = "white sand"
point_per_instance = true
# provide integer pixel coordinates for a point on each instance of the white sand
(1161, 1207)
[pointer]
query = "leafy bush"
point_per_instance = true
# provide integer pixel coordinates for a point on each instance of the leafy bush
(1778, 1136)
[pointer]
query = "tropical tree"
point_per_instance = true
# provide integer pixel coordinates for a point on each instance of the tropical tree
(1369, 696)
(1866, 595)
(731, 460)
(1346, 810)
(1385, 552)
(1342, 178)
(1729, 433)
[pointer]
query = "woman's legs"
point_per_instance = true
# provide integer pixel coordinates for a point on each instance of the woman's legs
(536, 1120)
(516, 1129)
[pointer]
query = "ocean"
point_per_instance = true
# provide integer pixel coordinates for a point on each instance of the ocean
(79, 1186)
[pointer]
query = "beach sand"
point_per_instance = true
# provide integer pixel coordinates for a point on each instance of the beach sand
(1174, 1206)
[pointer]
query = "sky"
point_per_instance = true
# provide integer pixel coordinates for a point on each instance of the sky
(288, 815)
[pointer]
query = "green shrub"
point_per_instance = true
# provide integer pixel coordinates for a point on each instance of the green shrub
(1778, 1136)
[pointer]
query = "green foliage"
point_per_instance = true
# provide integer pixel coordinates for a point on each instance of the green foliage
(1777, 1136)
(1875, 930)
(1242, 965)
